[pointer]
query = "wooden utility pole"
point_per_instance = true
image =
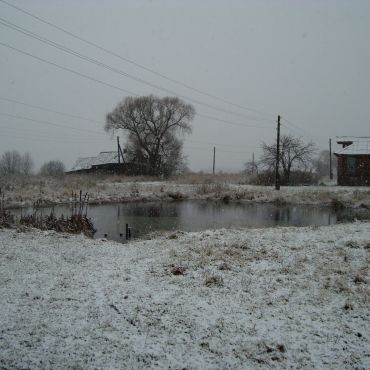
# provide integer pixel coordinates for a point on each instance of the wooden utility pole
(214, 159)
(120, 154)
(118, 150)
(330, 164)
(277, 176)
(253, 163)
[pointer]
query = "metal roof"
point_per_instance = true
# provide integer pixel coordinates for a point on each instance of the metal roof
(360, 146)
(87, 162)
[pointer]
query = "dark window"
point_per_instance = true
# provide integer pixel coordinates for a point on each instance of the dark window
(351, 165)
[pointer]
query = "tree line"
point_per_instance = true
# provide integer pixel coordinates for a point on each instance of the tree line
(12, 163)
(154, 128)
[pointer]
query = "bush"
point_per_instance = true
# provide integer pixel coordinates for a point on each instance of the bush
(296, 178)
(52, 168)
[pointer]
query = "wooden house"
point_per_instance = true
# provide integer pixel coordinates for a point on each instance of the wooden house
(108, 163)
(354, 161)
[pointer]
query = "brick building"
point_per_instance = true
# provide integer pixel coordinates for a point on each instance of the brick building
(354, 161)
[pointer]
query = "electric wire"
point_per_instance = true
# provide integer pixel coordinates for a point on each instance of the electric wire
(102, 123)
(93, 131)
(99, 81)
(115, 70)
(131, 61)
(51, 123)
(50, 110)
(294, 127)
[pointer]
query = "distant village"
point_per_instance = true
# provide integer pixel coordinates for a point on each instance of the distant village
(353, 162)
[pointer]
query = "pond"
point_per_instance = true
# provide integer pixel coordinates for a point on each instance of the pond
(143, 218)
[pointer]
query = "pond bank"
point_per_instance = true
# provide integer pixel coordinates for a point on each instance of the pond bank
(53, 191)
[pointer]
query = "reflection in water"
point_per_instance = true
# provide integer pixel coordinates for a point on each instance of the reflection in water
(144, 218)
(195, 216)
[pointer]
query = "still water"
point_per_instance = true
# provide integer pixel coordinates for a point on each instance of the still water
(143, 218)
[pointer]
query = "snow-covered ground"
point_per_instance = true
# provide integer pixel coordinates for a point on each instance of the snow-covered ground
(115, 189)
(227, 299)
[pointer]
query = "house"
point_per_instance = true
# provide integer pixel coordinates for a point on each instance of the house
(353, 161)
(107, 163)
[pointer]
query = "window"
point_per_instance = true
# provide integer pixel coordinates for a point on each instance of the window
(351, 165)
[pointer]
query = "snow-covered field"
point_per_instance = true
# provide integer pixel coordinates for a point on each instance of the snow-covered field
(23, 191)
(227, 299)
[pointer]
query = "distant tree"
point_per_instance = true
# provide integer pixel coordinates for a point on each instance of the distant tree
(294, 154)
(14, 164)
(153, 125)
(251, 168)
(322, 163)
(11, 163)
(26, 164)
(52, 168)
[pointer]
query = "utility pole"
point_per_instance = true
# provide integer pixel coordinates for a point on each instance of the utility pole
(214, 159)
(120, 154)
(330, 164)
(277, 176)
(253, 163)
(118, 150)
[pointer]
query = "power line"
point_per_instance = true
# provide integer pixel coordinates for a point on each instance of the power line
(133, 62)
(50, 110)
(294, 127)
(50, 123)
(113, 69)
(45, 138)
(231, 123)
(213, 143)
(67, 69)
(102, 123)
(93, 131)
(94, 79)
(219, 150)
(31, 132)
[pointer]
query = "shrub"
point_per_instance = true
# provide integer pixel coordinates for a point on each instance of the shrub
(52, 168)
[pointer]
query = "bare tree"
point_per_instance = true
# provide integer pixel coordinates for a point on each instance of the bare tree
(26, 164)
(11, 163)
(14, 164)
(294, 154)
(153, 125)
(322, 163)
(52, 168)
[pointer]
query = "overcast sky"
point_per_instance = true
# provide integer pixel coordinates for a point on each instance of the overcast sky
(306, 60)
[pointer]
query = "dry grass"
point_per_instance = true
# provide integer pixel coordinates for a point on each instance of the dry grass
(214, 281)
(217, 189)
(198, 178)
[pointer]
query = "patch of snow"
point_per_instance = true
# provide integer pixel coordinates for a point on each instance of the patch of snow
(274, 298)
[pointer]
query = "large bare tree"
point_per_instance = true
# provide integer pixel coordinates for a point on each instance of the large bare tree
(294, 154)
(152, 125)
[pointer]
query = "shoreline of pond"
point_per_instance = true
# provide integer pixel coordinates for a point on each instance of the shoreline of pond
(146, 217)
(332, 203)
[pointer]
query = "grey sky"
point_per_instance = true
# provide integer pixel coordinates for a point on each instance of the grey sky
(307, 60)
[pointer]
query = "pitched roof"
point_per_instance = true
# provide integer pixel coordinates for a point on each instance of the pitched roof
(87, 162)
(106, 157)
(360, 146)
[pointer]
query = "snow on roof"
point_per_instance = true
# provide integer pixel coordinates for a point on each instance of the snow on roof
(83, 163)
(87, 162)
(360, 146)
(106, 157)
